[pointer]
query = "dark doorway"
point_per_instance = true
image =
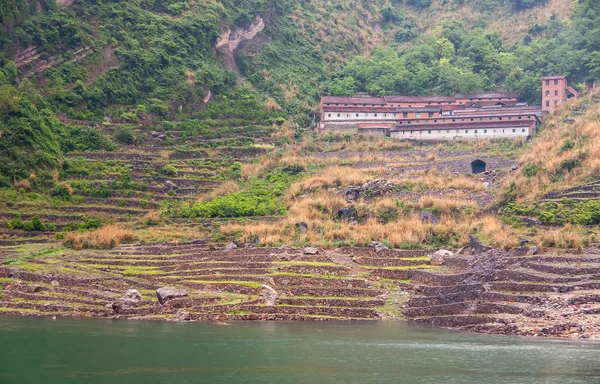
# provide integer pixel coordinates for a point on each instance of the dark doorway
(478, 166)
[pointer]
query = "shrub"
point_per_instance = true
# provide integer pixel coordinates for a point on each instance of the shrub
(531, 170)
(124, 135)
(101, 238)
(63, 190)
(15, 223)
(37, 224)
(169, 170)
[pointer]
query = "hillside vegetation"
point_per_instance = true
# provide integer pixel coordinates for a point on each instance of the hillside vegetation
(124, 112)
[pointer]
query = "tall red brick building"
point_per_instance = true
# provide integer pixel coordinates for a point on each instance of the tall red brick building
(555, 90)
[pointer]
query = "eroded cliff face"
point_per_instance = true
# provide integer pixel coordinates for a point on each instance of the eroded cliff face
(64, 3)
(241, 39)
(231, 39)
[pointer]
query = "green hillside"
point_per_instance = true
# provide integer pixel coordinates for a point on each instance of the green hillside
(115, 110)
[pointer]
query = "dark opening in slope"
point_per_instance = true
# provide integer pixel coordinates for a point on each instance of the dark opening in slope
(478, 166)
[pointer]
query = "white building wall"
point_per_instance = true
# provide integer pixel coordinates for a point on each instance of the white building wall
(362, 117)
(433, 134)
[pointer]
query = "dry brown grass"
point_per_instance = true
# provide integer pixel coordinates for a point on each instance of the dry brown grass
(23, 184)
(222, 189)
(102, 238)
(547, 152)
(567, 237)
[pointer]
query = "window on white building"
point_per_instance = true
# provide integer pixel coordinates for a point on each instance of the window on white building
(514, 130)
(329, 115)
(418, 115)
(523, 130)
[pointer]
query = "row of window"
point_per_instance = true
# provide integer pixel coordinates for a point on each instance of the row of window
(555, 93)
(404, 115)
(514, 130)
(410, 106)
(472, 119)
(430, 114)
(548, 82)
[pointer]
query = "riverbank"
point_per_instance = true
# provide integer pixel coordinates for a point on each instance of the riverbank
(479, 289)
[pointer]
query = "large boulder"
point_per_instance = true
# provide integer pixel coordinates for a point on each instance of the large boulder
(378, 246)
(166, 293)
(301, 226)
(311, 251)
(428, 217)
(131, 299)
(347, 214)
(440, 256)
(269, 295)
(231, 246)
(476, 245)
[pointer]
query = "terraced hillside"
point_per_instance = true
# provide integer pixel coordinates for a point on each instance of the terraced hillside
(490, 291)
(518, 293)
(159, 170)
(221, 284)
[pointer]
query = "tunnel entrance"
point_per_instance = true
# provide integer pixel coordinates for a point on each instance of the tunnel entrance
(478, 166)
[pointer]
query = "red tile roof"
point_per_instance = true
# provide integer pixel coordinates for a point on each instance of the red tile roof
(351, 100)
(558, 77)
(464, 125)
(418, 99)
(487, 95)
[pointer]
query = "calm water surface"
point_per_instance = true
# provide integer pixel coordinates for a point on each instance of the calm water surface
(101, 351)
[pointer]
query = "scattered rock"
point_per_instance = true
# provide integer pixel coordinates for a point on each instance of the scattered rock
(55, 283)
(378, 246)
(154, 133)
(134, 295)
(131, 299)
(439, 256)
(428, 217)
(166, 293)
(311, 251)
(31, 288)
(171, 184)
(352, 194)
(533, 250)
(529, 222)
(347, 214)
(514, 167)
(302, 226)
(231, 246)
(476, 245)
(181, 315)
(269, 295)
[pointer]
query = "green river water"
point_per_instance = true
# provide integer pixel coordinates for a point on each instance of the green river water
(36, 350)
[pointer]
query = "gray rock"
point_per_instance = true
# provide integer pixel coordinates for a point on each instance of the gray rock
(269, 295)
(131, 299)
(171, 185)
(476, 245)
(529, 222)
(31, 288)
(55, 283)
(311, 251)
(231, 246)
(134, 295)
(428, 217)
(166, 293)
(534, 250)
(181, 315)
(302, 226)
(352, 194)
(440, 256)
(378, 246)
(347, 214)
